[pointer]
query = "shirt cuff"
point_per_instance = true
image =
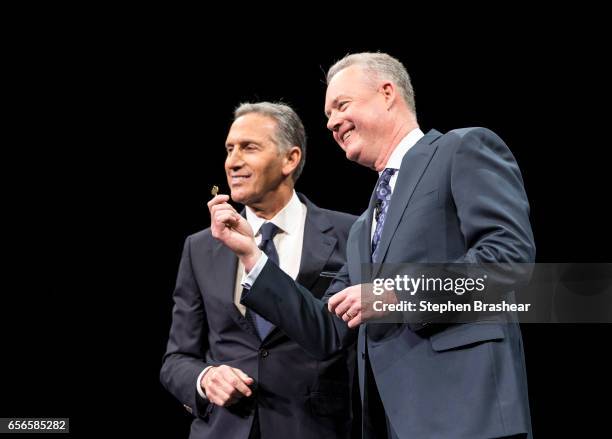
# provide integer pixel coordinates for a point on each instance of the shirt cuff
(249, 279)
(198, 386)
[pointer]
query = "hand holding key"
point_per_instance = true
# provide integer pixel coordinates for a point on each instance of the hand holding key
(229, 227)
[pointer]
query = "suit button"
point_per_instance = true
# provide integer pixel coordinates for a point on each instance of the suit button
(264, 353)
(363, 355)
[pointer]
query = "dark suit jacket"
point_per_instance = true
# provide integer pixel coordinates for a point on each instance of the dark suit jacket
(459, 197)
(296, 395)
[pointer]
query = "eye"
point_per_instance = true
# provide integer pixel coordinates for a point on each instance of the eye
(229, 149)
(342, 105)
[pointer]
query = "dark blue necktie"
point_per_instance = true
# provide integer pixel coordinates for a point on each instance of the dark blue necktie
(267, 230)
(383, 199)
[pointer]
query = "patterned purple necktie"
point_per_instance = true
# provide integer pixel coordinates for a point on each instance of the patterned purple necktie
(383, 199)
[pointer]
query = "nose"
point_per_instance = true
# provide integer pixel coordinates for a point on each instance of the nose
(333, 123)
(234, 160)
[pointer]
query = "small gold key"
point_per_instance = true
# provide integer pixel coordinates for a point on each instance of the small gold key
(215, 190)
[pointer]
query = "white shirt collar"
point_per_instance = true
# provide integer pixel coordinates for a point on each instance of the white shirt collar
(395, 161)
(284, 219)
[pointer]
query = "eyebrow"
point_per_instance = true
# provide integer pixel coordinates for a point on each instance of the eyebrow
(243, 142)
(334, 104)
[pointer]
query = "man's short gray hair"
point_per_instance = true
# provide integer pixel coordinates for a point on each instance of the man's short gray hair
(289, 128)
(379, 66)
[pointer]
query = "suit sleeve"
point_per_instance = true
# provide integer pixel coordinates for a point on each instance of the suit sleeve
(492, 205)
(304, 318)
(188, 341)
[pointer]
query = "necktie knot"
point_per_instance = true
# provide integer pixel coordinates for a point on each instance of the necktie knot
(383, 189)
(268, 231)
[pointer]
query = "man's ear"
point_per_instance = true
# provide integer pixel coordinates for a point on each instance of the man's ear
(291, 160)
(389, 92)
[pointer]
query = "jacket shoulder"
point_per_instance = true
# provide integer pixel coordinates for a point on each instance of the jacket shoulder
(341, 220)
(201, 237)
(339, 216)
(461, 134)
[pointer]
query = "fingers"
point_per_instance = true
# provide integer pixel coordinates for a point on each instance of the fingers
(218, 199)
(226, 217)
(243, 376)
(239, 382)
(346, 299)
(347, 305)
(224, 385)
(352, 312)
(222, 215)
(355, 321)
(220, 206)
(336, 300)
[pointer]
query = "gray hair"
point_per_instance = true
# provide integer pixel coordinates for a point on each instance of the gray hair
(379, 66)
(289, 128)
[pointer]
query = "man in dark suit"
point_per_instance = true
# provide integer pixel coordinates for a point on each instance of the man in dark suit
(454, 197)
(238, 375)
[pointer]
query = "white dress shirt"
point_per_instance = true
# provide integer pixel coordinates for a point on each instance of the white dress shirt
(288, 242)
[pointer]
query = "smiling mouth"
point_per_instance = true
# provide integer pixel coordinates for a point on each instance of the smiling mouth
(237, 179)
(346, 135)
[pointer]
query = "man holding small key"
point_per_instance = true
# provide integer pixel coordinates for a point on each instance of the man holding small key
(237, 373)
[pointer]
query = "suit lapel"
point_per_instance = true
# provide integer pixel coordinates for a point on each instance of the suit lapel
(317, 247)
(413, 166)
(225, 267)
(367, 257)
(358, 249)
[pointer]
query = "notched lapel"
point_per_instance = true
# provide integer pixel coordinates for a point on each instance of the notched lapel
(358, 247)
(225, 265)
(414, 164)
(317, 247)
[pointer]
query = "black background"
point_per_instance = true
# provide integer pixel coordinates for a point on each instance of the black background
(115, 134)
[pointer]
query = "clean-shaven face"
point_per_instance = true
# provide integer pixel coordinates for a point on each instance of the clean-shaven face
(253, 165)
(356, 113)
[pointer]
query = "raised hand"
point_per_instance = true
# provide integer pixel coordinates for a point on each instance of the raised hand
(229, 227)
